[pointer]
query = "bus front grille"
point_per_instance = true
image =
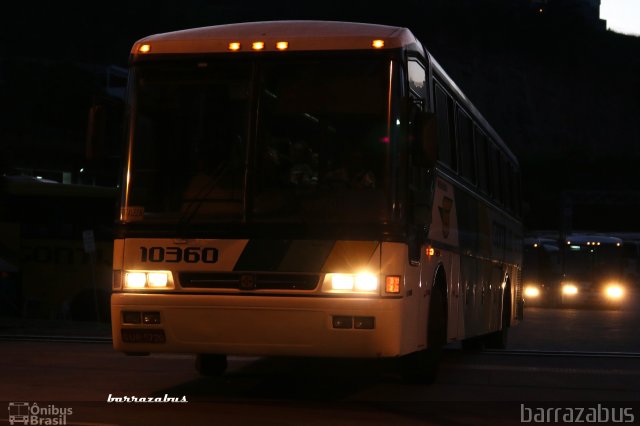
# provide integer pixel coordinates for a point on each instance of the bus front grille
(248, 281)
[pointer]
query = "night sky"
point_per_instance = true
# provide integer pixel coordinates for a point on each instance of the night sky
(564, 95)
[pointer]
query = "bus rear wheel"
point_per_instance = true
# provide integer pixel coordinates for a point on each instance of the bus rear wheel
(211, 365)
(498, 339)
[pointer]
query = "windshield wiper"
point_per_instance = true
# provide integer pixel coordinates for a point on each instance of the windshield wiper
(203, 192)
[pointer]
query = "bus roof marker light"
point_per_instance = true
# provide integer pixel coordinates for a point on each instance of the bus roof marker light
(257, 45)
(234, 46)
(377, 44)
(144, 48)
(282, 45)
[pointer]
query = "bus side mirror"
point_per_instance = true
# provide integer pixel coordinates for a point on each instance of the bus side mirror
(425, 146)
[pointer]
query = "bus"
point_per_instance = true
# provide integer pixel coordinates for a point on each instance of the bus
(310, 188)
(579, 270)
(593, 269)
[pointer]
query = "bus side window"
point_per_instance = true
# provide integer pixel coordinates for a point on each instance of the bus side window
(496, 176)
(508, 184)
(465, 145)
(518, 191)
(481, 154)
(515, 190)
(444, 134)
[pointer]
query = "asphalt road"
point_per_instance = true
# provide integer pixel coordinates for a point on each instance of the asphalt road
(557, 358)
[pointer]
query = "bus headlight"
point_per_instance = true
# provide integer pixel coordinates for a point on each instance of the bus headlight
(614, 291)
(531, 291)
(351, 283)
(569, 289)
(136, 280)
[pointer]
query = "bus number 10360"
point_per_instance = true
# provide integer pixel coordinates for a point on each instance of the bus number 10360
(177, 254)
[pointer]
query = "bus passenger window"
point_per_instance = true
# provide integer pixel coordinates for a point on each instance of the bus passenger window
(517, 191)
(508, 187)
(483, 160)
(465, 144)
(443, 117)
(496, 176)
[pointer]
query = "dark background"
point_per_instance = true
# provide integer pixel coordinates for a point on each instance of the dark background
(562, 91)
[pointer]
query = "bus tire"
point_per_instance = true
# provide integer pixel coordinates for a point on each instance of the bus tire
(211, 365)
(422, 366)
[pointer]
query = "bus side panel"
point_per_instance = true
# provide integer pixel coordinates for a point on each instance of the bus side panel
(445, 237)
(482, 243)
(444, 226)
(456, 324)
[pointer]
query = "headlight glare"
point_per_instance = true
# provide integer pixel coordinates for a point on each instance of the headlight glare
(366, 282)
(351, 283)
(342, 282)
(531, 291)
(137, 280)
(158, 279)
(614, 291)
(569, 289)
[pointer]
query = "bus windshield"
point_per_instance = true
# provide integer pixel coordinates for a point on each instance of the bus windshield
(588, 263)
(301, 140)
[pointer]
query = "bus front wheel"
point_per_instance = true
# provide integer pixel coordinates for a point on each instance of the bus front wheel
(211, 365)
(422, 366)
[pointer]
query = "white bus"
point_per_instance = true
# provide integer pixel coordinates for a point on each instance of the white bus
(285, 193)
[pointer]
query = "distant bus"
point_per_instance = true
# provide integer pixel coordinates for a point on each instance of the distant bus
(286, 193)
(581, 270)
(593, 271)
(48, 274)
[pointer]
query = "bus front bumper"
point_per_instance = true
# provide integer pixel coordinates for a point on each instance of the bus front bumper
(258, 325)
